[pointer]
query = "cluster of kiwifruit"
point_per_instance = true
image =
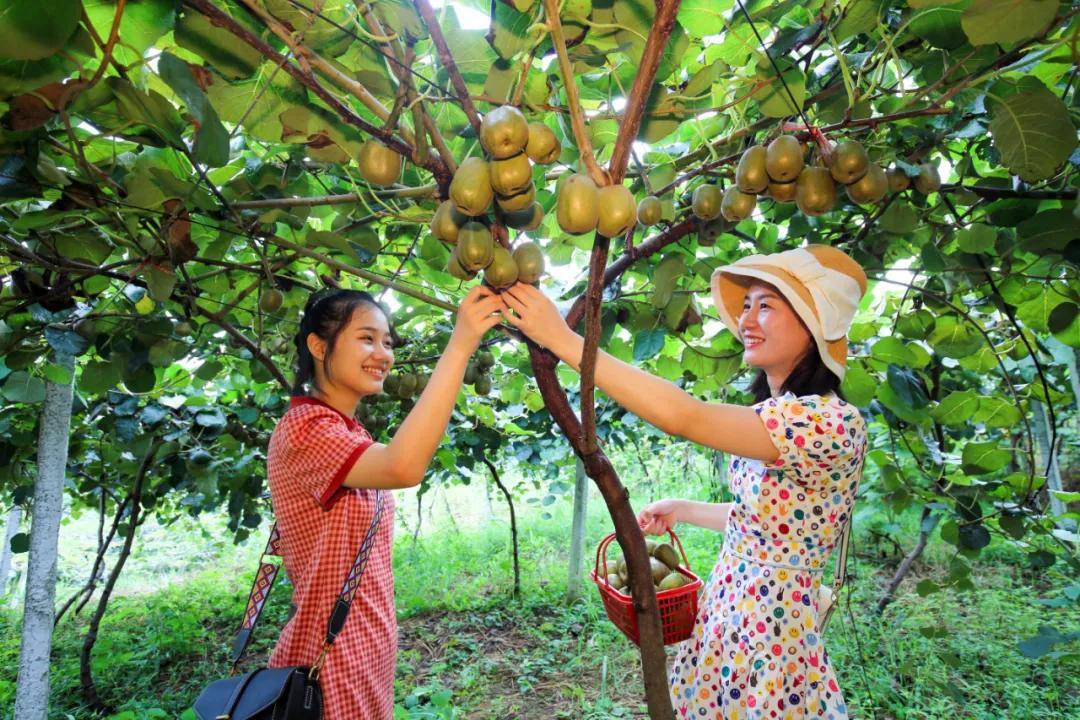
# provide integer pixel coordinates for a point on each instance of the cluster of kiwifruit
(664, 563)
(582, 207)
(779, 171)
(405, 384)
(478, 372)
(505, 178)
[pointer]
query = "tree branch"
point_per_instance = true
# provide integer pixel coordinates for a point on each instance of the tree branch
(447, 60)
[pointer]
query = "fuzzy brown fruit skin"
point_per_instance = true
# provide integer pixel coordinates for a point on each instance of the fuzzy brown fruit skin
(379, 165)
(520, 201)
(475, 248)
(751, 176)
(617, 211)
(784, 159)
(929, 181)
(650, 210)
(577, 207)
(530, 262)
(502, 272)
(454, 267)
(815, 191)
(870, 188)
(447, 221)
(471, 188)
(783, 192)
(504, 132)
(527, 219)
(849, 162)
(898, 180)
(543, 146)
(706, 201)
(511, 175)
(737, 205)
(270, 300)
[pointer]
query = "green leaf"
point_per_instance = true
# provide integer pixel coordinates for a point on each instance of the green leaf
(217, 46)
(974, 537)
(892, 350)
(994, 22)
(148, 108)
(773, 100)
(160, 283)
(703, 17)
(1031, 128)
(957, 408)
(858, 386)
(860, 16)
(940, 26)
(20, 543)
(984, 457)
(1048, 230)
(258, 102)
(927, 587)
(29, 31)
(996, 412)
(22, 387)
(666, 277)
(211, 139)
(143, 22)
(508, 28)
(1035, 313)
(978, 238)
(57, 374)
(953, 338)
(648, 343)
(899, 218)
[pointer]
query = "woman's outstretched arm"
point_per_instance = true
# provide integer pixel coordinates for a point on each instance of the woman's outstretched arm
(729, 428)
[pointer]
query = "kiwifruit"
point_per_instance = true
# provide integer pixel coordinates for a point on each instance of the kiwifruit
(659, 569)
(577, 206)
(472, 373)
(666, 554)
(898, 179)
(783, 192)
(750, 175)
(617, 211)
(522, 200)
(849, 162)
(511, 175)
(475, 248)
(502, 272)
(706, 202)
(649, 210)
(270, 300)
(613, 580)
(527, 219)
(870, 188)
(784, 160)
(482, 386)
(454, 267)
(471, 187)
(530, 262)
(543, 146)
(736, 204)
(504, 132)
(421, 382)
(447, 221)
(928, 181)
(485, 360)
(815, 191)
(182, 329)
(651, 545)
(390, 384)
(379, 165)
(672, 581)
(407, 386)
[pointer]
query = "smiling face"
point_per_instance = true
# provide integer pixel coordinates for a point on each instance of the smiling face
(774, 337)
(361, 357)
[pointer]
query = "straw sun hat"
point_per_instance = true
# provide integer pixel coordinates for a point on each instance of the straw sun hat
(822, 283)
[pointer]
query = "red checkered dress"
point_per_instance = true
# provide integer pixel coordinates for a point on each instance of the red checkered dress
(322, 525)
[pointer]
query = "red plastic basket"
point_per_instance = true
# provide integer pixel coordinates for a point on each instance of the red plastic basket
(678, 607)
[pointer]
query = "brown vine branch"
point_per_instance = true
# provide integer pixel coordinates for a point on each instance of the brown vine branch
(447, 60)
(423, 191)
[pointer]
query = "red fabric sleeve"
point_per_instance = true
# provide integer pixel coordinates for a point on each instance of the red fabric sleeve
(321, 449)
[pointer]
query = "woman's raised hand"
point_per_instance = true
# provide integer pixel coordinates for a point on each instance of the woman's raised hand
(481, 310)
(659, 517)
(534, 314)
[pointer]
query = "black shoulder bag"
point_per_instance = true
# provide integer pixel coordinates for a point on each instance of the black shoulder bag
(288, 693)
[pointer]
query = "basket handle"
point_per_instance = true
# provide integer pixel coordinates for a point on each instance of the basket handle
(601, 552)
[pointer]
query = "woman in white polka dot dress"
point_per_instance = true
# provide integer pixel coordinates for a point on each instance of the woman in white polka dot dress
(755, 651)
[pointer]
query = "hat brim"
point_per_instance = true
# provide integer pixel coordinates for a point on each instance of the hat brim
(729, 285)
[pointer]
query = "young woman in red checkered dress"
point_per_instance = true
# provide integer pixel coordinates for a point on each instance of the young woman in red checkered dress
(324, 470)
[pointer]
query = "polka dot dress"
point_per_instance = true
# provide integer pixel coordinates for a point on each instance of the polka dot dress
(755, 652)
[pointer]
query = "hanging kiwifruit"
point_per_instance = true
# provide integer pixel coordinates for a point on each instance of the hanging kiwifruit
(407, 385)
(706, 202)
(522, 200)
(502, 272)
(472, 373)
(898, 179)
(783, 192)
(577, 206)
(421, 382)
(527, 219)
(617, 211)
(849, 162)
(751, 176)
(504, 132)
(379, 165)
(390, 384)
(511, 175)
(649, 210)
(543, 146)
(471, 187)
(447, 221)
(736, 204)
(453, 266)
(270, 300)
(530, 262)
(870, 188)
(784, 160)
(815, 191)
(485, 360)
(482, 386)
(475, 248)
(928, 181)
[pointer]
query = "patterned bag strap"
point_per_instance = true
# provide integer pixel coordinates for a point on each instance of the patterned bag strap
(839, 575)
(260, 591)
(348, 590)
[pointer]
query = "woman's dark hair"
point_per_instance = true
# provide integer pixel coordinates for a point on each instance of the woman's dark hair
(810, 376)
(326, 314)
